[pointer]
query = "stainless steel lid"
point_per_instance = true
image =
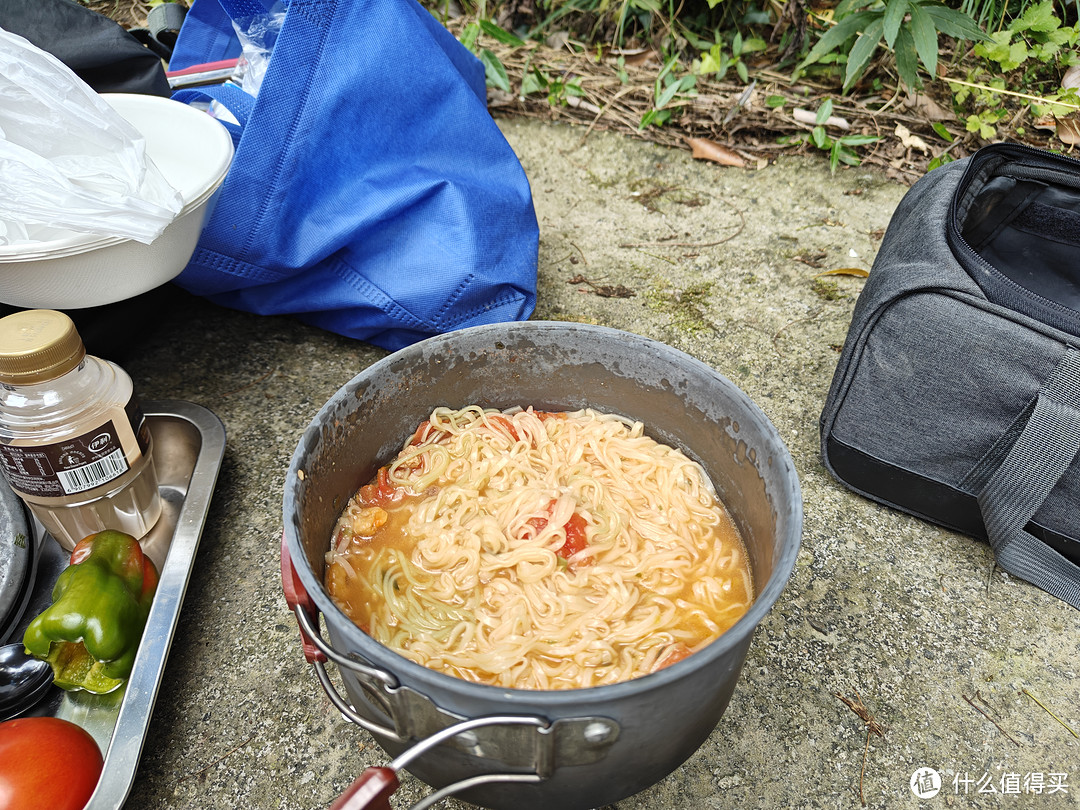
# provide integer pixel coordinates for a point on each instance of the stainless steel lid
(17, 556)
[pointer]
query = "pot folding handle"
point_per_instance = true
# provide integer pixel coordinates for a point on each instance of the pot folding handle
(374, 787)
(297, 598)
(318, 652)
(371, 791)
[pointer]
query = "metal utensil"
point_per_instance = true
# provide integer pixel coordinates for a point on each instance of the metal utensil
(24, 680)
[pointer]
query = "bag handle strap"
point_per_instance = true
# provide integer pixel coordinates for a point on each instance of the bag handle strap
(1036, 462)
(230, 96)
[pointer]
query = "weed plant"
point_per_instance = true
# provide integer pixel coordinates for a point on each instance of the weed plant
(996, 65)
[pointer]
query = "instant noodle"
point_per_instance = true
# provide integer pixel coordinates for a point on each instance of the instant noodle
(539, 550)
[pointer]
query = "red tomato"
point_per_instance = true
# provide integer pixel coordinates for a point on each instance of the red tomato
(676, 653)
(506, 424)
(575, 532)
(382, 492)
(47, 762)
(420, 433)
(575, 536)
(424, 433)
(538, 524)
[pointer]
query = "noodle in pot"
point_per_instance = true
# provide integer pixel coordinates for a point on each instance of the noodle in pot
(537, 550)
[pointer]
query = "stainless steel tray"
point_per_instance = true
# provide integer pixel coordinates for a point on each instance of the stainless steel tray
(189, 442)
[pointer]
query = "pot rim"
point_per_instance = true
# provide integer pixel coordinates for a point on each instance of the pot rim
(397, 665)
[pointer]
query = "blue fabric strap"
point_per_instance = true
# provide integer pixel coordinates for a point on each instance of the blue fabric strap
(1042, 453)
(235, 100)
(206, 36)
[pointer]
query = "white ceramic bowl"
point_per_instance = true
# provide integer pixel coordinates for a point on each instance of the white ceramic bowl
(193, 152)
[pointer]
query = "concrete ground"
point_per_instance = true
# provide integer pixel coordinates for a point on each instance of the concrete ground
(888, 624)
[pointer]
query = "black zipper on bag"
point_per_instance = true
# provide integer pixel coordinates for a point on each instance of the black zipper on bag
(1053, 176)
(1033, 164)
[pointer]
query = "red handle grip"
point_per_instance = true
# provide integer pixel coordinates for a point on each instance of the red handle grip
(371, 791)
(296, 595)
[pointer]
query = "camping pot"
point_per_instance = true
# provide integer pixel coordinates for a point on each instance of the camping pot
(528, 749)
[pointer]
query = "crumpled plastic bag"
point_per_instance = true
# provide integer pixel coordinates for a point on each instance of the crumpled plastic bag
(257, 35)
(68, 161)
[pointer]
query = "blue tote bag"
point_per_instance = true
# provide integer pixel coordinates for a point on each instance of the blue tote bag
(371, 193)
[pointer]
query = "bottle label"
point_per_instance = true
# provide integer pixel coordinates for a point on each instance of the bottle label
(74, 465)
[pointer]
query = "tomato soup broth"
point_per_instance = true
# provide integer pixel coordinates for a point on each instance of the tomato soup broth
(538, 550)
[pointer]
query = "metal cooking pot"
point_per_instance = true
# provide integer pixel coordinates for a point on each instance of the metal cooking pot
(524, 749)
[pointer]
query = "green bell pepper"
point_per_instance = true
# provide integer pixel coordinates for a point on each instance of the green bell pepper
(91, 632)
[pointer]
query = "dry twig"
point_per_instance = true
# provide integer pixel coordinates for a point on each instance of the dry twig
(872, 727)
(205, 768)
(248, 385)
(604, 290)
(988, 717)
(669, 243)
(1041, 706)
(776, 345)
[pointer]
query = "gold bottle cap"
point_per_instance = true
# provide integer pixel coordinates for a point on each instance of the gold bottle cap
(38, 345)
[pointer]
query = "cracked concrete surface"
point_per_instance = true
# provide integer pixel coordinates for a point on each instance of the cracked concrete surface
(730, 266)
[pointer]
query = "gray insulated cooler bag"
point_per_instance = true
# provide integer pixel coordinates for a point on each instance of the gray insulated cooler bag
(957, 394)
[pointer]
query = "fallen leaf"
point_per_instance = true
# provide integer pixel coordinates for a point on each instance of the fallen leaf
(813, 261)
(845, 271)
(641, 58)
(911, 141)
(557, 40)
(1071, 77)
(704, 149)
(1068, 129)
(500, 98)
(927, 107)
(1047, 121)
(742, 101)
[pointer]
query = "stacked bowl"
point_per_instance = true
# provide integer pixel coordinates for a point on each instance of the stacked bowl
(77, 270)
